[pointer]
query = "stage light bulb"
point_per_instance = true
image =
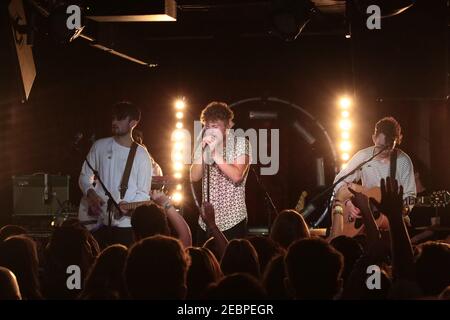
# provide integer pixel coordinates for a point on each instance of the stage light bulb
(178, 135)
(344, 165)
(177, 197)
(345, 156)
(345, 102)
(178, 175)
(179, 125)
(345, 124)
(178, 156)
(345, 145)
(177, 166)
(345, 135)
(345, 114)
(178, 146)
(179, 104)
(179, 187)
(179, 115)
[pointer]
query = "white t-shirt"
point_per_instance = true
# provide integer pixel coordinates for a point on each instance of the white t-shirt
(371, 173)
(109, 159)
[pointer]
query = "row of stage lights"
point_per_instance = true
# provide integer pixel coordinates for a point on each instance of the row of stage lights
(178, 149)
(345, 126)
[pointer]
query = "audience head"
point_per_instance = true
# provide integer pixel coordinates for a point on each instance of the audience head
(105, 279)
(273, 280)
(9, 288)
(240, 256)
(237, 286)
(203, 271)
(266, 249)
(210, 244)
(156, 268)
(287, 227)
(19, 254)
(148, 221)
(433, 267)
(11, 230)
(314, 269)
(350, 249)
(69, 245)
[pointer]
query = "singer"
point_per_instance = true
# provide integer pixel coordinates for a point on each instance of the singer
(223, 170)
(387, 135)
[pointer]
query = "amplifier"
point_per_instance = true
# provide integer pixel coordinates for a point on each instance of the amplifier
(40, 194)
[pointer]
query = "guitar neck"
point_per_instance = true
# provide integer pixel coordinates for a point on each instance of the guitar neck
(134, 205)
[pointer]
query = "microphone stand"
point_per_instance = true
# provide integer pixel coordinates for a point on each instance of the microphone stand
(111, 200)
(268, 199)
(331, 188)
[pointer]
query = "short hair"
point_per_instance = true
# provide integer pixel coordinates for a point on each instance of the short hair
(156, 268)
(390, 128)
(314, 268)
(124, 109)
(148, 221)
(217, 111)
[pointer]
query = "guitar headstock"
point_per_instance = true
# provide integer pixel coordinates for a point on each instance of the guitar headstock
(439, 198)
(301, 202)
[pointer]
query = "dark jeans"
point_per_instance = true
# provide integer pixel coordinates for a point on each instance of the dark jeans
(239, 231)
(107, 236)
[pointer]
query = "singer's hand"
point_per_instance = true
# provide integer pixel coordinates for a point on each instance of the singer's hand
(214, 144)
(208, 141)
(95, 203)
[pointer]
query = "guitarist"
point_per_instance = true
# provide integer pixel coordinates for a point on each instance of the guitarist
(110, 156)
(392, 161)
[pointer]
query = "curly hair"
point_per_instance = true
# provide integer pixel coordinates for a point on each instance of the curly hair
(217, 111)
(391, 129)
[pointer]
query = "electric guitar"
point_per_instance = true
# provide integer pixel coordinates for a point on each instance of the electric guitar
(353, 227)
(90, 220)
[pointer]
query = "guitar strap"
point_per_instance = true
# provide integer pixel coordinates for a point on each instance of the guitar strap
(127, 171)
(393, 164)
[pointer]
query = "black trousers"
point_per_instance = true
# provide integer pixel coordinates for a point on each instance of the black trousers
(239, 231)
(107, 236)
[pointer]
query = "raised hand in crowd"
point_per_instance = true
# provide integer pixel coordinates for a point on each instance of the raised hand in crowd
(208, 215)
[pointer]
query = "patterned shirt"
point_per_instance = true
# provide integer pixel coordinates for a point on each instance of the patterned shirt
(227, 197)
